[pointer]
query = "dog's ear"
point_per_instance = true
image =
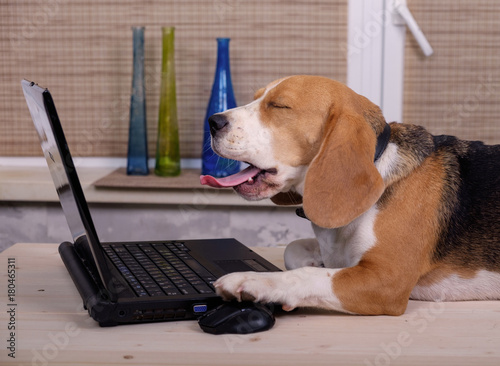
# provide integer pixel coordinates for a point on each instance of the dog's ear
(259, 93)
(342, 181)
(287, 198)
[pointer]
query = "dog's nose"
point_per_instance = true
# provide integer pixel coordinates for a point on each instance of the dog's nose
(217, 122)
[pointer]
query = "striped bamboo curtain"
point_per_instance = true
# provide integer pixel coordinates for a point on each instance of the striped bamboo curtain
(456, 91)
(82, 51)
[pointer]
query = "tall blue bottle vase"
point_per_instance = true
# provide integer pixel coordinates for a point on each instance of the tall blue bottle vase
(221, 99)
(137, 156)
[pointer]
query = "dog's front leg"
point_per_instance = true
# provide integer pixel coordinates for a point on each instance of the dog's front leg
(302, 287)
(358, 290)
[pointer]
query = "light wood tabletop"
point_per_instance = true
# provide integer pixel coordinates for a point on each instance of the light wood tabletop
(48, 326)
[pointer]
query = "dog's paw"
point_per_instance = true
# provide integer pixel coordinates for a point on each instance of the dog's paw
(303, 253)
(307, 286)
(252, 286)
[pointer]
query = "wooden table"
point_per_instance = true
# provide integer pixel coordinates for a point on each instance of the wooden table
(51, 328)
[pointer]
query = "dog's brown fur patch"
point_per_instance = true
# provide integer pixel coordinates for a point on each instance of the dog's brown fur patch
(406, 230)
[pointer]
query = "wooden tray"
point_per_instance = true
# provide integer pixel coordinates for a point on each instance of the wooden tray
(188, 179)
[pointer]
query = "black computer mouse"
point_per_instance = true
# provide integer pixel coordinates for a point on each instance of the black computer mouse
(237, 318)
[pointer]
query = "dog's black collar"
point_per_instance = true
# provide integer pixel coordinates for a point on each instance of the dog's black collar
(382, 142)
(300, 212)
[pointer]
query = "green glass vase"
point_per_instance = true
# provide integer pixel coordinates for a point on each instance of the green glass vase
(167, 148)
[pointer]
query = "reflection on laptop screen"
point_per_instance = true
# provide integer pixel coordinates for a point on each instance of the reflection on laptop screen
(53, 156)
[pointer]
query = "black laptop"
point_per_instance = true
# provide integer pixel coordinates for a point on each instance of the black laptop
(131, 282)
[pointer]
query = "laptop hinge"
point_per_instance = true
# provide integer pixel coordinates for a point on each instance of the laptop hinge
(95, 299)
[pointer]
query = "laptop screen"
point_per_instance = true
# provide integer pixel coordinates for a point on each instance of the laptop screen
(62, 169)
(34, 99)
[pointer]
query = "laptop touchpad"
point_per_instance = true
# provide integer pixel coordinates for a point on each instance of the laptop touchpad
(240, 265)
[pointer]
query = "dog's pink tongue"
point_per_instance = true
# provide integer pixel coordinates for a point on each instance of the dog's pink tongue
(232, 180)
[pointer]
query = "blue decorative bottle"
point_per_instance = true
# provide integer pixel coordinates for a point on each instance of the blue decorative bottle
(221, 99)
(137, 156)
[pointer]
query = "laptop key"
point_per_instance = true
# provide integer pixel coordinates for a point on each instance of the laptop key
(183, 284)
(203, 289)
(188, 290)
(171, 290)
(157, 293)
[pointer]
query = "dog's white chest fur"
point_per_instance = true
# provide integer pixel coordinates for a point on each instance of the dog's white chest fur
(344, 247)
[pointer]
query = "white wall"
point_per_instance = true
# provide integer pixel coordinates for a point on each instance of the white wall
(259, 226)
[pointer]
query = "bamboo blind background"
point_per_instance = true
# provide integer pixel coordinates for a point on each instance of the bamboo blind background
(457, 90)
(82, 51)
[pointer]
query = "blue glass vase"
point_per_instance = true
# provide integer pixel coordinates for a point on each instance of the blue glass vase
(137, 156)
(221, 99)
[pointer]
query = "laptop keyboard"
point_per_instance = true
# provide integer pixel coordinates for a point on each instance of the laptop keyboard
(160, 269)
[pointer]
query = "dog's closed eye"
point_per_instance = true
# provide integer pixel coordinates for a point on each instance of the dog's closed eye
(278, 105)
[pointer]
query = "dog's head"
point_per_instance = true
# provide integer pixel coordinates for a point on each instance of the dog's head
(308, 140)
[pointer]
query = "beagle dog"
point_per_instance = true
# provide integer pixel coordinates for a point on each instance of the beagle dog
(397, 212)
